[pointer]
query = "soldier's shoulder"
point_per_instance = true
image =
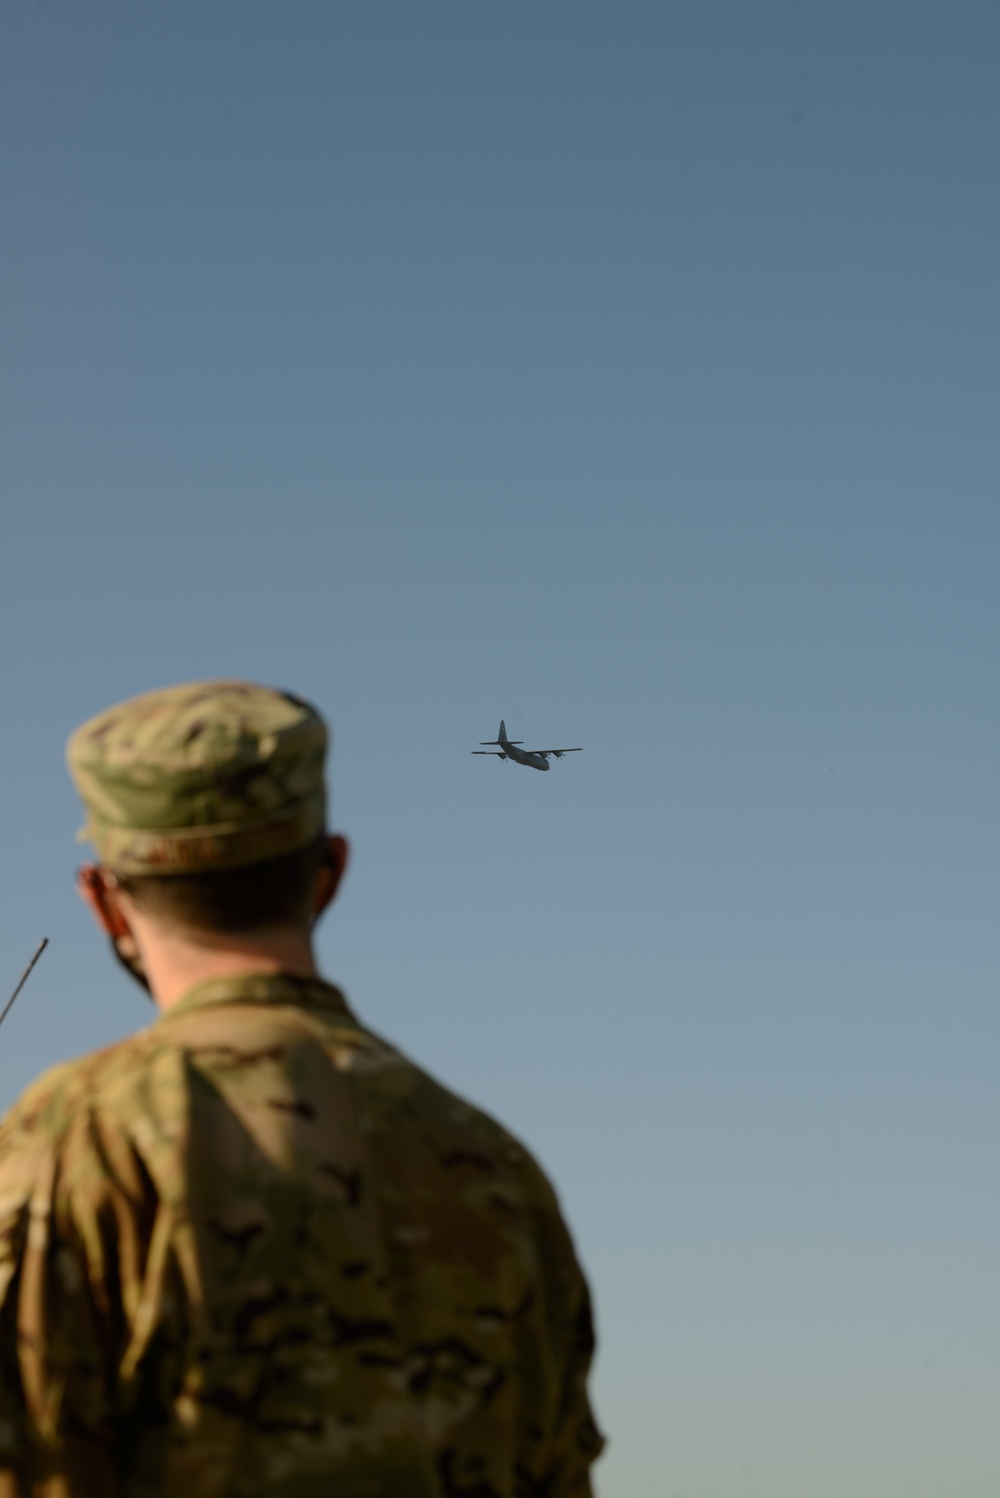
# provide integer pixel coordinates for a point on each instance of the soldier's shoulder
(459, 1133)
(50, 1104)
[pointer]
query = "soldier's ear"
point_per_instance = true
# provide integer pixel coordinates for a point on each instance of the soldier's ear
(99, 891)
(330, 872)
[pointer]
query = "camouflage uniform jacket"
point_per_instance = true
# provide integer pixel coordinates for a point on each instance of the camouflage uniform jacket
(253, 1250)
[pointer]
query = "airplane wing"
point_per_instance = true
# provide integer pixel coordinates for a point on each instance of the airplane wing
(557, 752)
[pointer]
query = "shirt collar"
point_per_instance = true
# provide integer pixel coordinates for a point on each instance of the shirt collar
(264, 988)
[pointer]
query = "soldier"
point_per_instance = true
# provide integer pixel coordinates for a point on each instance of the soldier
(254, 1250)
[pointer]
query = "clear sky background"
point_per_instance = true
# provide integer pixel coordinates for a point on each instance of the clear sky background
(628, 371)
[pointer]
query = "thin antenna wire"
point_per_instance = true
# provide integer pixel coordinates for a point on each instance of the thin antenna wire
(24, 978)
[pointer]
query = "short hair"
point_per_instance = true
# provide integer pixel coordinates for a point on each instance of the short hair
(275, 892)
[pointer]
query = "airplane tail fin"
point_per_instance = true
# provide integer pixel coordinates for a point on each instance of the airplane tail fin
(501, 738)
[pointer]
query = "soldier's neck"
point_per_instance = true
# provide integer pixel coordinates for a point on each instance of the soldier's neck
(175, 963)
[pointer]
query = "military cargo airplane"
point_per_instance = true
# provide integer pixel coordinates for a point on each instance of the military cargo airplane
(537, 759)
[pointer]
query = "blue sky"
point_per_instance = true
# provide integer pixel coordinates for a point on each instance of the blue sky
(628, 372)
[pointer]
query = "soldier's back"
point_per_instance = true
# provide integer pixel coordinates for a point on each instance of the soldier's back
(255, 1250)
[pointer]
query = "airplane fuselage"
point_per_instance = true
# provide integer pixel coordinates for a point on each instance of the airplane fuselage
(522, 757)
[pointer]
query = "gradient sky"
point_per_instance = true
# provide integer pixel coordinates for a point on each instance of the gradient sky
(630, 372)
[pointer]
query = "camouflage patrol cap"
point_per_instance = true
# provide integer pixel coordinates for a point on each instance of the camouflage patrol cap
(212, 775)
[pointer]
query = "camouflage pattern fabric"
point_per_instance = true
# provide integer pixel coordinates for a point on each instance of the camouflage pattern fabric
(254, 1250)
(212, 775)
